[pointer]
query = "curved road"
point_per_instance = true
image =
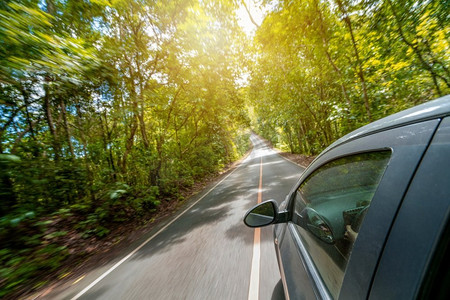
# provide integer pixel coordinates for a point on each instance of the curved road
(204, 251)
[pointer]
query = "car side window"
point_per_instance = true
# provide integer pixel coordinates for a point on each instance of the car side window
(330, 206)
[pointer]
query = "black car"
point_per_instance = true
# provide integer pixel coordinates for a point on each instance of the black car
(369, 217)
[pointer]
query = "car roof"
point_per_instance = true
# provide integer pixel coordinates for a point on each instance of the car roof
(430, 110)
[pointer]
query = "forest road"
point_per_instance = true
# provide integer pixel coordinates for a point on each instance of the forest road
(204, 251)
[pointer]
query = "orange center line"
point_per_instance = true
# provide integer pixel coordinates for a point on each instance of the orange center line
(253, 293)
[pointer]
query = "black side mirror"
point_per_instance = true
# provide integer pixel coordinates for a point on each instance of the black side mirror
(263, 214)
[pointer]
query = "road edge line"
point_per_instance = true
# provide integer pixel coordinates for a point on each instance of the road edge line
(82, 292)
(291, 161)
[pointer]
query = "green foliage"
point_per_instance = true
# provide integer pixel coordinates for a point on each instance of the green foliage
(325, 68)
(28, 249)
(107, 108)
(243, 143)
(17, 268)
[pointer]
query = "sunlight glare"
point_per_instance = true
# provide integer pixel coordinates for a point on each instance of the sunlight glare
(244, 19)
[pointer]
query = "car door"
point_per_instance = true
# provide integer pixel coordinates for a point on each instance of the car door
(414, 263)
(359, 184)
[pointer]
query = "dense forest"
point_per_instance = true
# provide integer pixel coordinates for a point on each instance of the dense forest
(109, 107)
(325, 68)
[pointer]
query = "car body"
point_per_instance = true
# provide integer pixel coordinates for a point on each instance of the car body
(369, 218)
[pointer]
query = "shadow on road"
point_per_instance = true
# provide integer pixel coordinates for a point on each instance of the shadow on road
(278, 292)
(236, 232)
(220, 205)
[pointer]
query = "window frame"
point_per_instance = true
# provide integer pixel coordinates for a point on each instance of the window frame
(318, 163)
(305, 202)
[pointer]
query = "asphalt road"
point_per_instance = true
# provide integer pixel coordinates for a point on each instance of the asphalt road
(204, 251)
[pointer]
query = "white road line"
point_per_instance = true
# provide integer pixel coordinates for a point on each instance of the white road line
(253, 290)
(291, 161)
(148, 240)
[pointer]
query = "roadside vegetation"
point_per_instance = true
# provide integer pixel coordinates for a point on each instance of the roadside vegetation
(111, 109)
(325, 68)
(107, 109)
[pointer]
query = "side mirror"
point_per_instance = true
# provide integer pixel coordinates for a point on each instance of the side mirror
(263, 214)
(317, 225)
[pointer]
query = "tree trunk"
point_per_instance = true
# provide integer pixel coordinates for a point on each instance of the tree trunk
(50, 123)
(358, 59)
(106, 135)
(302, 140)
(330, 60)
(66, 128)
(129, 144)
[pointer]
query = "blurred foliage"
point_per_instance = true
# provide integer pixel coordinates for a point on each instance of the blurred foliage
(325, 68)
(108, 108)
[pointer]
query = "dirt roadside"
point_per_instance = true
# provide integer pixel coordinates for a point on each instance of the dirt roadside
(300, 159)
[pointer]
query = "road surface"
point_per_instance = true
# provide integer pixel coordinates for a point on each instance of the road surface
(204, 251)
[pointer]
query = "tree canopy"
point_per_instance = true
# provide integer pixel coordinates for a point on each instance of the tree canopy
(325, 68)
